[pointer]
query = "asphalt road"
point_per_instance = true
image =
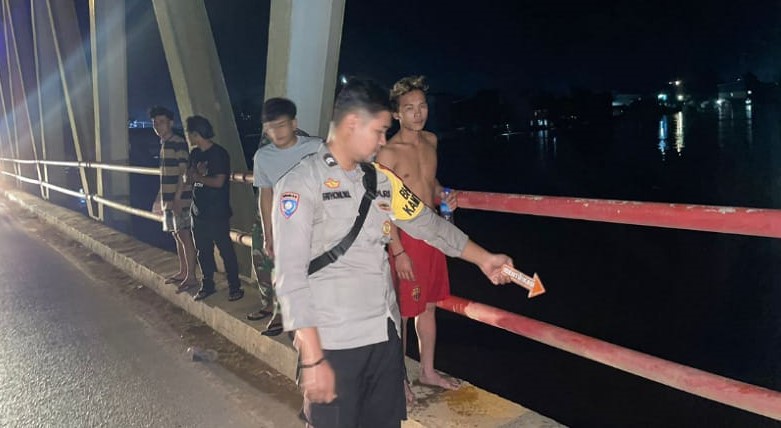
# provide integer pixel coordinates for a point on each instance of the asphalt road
(74, 353)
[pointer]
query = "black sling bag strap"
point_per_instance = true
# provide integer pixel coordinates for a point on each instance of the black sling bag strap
(330, 256)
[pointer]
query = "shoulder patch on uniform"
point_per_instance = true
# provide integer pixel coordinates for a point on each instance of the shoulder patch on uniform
(288, 203)
(404, 204)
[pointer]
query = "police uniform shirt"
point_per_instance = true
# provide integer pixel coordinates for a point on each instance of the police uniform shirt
(350, 300)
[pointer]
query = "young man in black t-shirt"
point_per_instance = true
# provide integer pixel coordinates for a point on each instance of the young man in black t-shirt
(211, 211)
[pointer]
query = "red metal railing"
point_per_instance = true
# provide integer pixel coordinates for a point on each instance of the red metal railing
(738, 394)
(741, 221)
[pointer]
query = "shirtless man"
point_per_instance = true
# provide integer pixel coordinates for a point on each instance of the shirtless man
(421, 270)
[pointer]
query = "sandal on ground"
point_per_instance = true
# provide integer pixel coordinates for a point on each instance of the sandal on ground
(258, 315)
(274, 327)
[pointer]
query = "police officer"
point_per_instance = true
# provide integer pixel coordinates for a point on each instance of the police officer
(342, 306)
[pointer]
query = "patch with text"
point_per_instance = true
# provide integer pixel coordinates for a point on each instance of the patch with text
(288, 203)
(331, 196)
(404, 204)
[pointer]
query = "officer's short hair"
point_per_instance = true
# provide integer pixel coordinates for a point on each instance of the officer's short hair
(405, 86)
(160, 111)
(360, 94)
(199, 125)
(277, 108)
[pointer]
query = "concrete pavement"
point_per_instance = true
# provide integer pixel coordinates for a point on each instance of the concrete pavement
(75, 352)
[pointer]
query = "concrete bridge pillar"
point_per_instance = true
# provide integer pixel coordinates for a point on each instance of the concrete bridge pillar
(303, 58)
(109, 90)
(200, 89)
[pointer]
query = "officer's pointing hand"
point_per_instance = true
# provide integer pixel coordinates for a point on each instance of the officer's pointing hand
(492, 268)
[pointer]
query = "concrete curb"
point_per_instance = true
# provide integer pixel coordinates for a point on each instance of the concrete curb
(468, 406)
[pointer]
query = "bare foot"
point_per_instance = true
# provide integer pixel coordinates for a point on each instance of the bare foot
(435, 379)
(408, 394)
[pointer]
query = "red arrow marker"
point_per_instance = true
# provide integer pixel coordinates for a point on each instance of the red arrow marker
(534, 285)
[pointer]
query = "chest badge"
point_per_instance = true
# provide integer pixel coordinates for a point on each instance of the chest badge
(386, 228)
(331, 183)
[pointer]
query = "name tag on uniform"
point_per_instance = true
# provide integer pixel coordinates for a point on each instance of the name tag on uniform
(330, 196)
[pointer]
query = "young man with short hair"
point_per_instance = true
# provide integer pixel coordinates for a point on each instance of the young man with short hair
(175, 195)
(272, 161)
(331, 218)
(211, 210)
(420, 269)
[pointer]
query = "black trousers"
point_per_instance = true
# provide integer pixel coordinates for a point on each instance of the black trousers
(369, 387)
(207, 233)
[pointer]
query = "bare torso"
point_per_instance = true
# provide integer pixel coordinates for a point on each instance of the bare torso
(415, 162)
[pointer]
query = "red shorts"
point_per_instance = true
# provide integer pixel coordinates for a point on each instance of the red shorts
(431, 284)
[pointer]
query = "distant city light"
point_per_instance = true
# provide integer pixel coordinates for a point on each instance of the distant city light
(720, 101)
(680, 97)
(749, 91)
(343, 80)
(677, 83)
(662, 97)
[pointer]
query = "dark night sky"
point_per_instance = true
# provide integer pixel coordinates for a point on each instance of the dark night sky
(624, 45)
(463, 46)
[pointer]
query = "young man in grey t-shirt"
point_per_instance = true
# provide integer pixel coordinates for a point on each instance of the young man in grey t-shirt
(272, 161)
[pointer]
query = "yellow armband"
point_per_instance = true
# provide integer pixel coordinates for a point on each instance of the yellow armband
(404, 204)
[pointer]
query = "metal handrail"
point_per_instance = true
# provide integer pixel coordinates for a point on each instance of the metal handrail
(44, 184)
(734, 220)
(98, 199)
(724, 390)
(89, 164)
(745, 221)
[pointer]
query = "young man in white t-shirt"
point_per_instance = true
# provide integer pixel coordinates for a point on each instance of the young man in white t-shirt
(272, 160)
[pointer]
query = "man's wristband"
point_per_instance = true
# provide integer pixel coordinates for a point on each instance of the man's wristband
(309, 366)
(399, 253)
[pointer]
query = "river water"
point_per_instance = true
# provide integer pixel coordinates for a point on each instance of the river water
(706, 300)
